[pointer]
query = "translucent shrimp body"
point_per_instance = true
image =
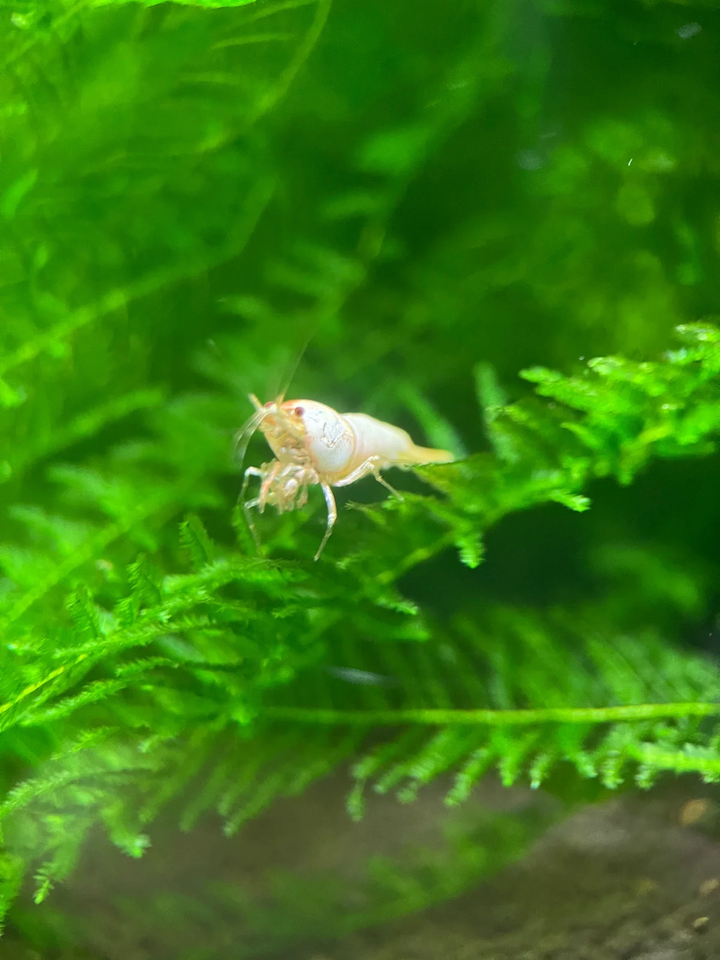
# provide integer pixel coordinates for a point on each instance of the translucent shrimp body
(391, 445)
(315, 445)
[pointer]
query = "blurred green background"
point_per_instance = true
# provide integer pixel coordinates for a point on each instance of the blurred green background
(371, 198)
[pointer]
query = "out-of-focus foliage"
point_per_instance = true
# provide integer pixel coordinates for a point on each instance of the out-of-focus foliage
(434, 202)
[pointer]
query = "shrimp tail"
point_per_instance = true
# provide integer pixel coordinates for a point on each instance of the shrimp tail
(418, 455)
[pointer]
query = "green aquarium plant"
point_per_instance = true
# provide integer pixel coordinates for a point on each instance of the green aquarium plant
(192, 193)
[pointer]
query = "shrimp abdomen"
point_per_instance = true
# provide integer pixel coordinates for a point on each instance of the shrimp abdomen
(392, 445)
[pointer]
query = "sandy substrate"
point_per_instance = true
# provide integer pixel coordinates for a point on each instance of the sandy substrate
(633, 878)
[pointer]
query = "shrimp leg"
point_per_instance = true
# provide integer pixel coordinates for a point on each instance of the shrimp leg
(332, 515)
(248, 504)
(371, 465)
(267, 483)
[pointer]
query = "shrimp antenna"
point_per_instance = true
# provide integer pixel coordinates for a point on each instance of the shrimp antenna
(292, 369)
(244, 435)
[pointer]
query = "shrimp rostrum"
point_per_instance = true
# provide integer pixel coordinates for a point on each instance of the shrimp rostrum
(316, 446)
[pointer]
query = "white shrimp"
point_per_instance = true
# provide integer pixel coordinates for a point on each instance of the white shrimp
(314, 444)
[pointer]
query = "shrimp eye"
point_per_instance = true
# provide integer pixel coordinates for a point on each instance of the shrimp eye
(299, 411)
